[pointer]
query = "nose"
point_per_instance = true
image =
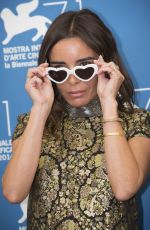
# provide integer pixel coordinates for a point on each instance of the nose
(73, 80)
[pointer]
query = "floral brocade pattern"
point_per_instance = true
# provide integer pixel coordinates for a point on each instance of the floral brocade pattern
(71, 190)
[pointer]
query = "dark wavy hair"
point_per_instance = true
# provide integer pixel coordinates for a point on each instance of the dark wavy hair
(86, 25)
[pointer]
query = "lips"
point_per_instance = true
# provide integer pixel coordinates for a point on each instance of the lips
(76, 94)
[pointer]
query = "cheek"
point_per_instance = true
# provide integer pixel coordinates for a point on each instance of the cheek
(92, 84)
(61, 88)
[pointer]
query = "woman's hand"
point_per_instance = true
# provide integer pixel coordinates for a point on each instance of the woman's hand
(108, 87)
(39, 87)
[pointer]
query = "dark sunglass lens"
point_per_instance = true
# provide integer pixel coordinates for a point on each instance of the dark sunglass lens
(85, 74)
(58, 76)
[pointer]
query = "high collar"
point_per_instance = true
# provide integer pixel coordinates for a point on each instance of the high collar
(91, 109)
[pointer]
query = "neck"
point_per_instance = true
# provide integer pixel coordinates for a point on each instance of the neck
(91, 109)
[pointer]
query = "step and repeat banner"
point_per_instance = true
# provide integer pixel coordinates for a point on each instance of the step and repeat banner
(23, 24)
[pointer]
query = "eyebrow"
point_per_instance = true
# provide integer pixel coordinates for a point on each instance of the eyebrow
(78, 61)
(85, 59)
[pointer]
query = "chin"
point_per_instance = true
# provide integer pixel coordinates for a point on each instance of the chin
(79, 102)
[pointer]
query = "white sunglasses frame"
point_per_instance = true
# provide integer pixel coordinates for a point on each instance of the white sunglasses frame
(72, 71)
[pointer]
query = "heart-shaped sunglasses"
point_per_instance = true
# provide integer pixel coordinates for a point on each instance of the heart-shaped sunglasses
(61, 74)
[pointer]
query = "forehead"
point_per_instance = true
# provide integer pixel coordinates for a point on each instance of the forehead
(70, 48)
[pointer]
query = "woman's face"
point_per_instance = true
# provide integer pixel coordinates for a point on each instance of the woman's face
(70, 52)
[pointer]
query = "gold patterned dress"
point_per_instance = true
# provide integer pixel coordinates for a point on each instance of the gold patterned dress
(71, 189)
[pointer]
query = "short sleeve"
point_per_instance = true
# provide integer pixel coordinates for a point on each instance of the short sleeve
(138, 124)
(20, 127)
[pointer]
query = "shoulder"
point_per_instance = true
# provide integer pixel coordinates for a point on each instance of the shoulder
(136, 123)
(22, 121)
(137, 115)
(23, 118)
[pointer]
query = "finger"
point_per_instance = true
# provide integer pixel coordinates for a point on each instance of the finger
(42, 71)
(47, 80)
(35, 80)
(35, 72)
(112, 66)
(101, 59)
(111, 71)
(37, 83)
(43, 67)
(99, 62)
(45, 64)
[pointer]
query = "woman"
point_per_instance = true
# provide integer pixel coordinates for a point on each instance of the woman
(83, 151)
